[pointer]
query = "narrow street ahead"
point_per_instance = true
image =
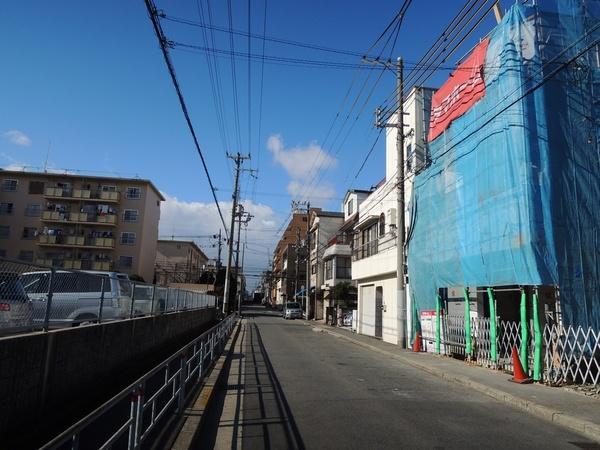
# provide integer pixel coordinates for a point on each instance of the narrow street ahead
(292, 387)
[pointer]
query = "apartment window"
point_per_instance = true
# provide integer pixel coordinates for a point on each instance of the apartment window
(9, 185)
(2, 253)
(351, 207)
(130, 215)
(108, 188)
(4, 231)
(33, 210)
(26, 255)
(29, 232)
(36, 187)
(6, 209)
(125, 261)
(313, 268)
(343, 267)
(127, 238)
(329, 269)
(133, 193)
(409, 158)
(381, 224)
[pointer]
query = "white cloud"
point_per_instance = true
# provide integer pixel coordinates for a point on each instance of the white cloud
(301, 163)
(17, 137)
(319, 194)
(181, 218)
(305, 165)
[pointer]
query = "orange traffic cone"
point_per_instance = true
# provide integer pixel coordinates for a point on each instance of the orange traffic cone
(417, 342)
(519, 375)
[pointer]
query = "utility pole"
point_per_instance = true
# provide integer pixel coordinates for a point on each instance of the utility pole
(238, 159)
(307, 287)
(220, 243)
(296, 279)
(242, 218)
(400, 225)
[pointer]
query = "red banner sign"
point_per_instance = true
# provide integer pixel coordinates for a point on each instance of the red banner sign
(464, 87)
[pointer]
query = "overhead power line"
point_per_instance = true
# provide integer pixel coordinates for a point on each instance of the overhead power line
(162, 40)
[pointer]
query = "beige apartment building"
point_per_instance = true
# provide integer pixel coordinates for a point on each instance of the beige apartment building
(179, 262)
(80, 222)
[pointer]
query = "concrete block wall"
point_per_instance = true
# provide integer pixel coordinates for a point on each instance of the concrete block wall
(43, 373)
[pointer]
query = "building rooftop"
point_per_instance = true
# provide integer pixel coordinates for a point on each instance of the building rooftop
(80, 176)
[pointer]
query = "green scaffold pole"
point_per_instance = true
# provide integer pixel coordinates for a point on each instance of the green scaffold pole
(438, 336)
(468, 345)
(524, 333)
(493, 323)
(537, 335)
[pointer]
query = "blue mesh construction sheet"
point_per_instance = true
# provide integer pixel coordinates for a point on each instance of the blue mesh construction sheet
(512, 192)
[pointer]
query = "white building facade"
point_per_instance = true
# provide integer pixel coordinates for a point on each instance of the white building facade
(374, 263)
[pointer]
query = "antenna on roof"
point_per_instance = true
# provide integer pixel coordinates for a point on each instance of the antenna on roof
(47, 154)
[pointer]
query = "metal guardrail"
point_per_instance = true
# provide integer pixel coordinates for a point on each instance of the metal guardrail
(129, 418)
(34, 297)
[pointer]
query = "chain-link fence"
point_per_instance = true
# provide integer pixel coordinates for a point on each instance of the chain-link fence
(34, 297)
(569, 354)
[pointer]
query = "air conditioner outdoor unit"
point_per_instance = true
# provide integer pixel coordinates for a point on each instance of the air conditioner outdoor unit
(390, 217)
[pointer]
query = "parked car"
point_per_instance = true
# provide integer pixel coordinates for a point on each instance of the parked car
(292, 310)
(16, 310)
(77, 296)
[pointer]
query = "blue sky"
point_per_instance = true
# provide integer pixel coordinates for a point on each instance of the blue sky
(87, 81)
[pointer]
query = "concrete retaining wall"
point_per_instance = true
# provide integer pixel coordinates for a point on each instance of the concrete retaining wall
(43, 374)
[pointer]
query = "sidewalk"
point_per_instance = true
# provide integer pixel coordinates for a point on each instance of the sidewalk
(568, 409)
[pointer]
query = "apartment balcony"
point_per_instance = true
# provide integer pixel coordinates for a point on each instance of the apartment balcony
(75, 264)
(374, 258)
(81, 195)
(79, 218)
(76, 241)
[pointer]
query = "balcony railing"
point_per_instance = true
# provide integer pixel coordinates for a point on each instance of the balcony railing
(339, 239)
(81, 218)
(76, 264)
(81, 194)
(374, 247)
(76, 241)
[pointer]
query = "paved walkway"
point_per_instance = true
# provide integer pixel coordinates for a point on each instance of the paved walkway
(567, 408)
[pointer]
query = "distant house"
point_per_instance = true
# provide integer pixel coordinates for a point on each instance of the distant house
(178, 262)
(322, 227)
(337, 257)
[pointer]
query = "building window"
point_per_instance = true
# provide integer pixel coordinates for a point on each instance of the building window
(125, 261)
(33, 210)
(29, 233)
(343, 267)
(313, 269)
(36, 187)
(6, 209)
(2, 253)
(26, 255)
(329, 269)
(108, 188)
(368, 241)
(9, 185)
(127, 238)
(381, 224)
(4, 231)
(351, 207)
(130, 215)
(133, 193)
(409, 158)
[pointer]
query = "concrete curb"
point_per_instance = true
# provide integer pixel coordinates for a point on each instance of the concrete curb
(195, 414)
(588, 429)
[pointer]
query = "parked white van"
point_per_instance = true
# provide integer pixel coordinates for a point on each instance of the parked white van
(76, 296)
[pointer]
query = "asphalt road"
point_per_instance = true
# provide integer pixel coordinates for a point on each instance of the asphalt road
(305, 389)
